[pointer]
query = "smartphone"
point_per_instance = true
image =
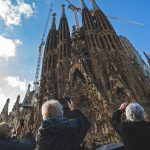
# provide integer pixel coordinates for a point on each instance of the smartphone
(68, 100)
(22, 122)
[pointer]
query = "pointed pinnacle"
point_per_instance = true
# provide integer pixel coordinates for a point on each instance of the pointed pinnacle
(63, 14)
(53, 21)
(83, 4)
(8, 100)
(95, 6)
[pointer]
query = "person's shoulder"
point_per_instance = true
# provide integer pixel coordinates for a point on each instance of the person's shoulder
(133, 125)
(146, 122)
(126, 125)
(9, 143)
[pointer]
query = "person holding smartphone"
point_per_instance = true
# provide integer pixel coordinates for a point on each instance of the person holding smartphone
(58, 132)
(134, 131)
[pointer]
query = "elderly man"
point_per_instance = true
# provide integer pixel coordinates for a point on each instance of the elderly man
(135, 132)
(9, 143)
(58, 132)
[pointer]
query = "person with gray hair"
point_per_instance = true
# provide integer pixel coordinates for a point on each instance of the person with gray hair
(134, 131)
(51, 109)
(58, 132)
(134, 112)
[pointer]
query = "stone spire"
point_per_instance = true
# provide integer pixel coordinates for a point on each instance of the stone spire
(101, 20)
(89, 27)
(83, 4)
(49, 59)
(63, 51)
(51, 43)
(114, 53)
(15, 113)
(28, 90)
(87, 20)
(52, 59)
(4, 113)
(53, 21)
(26, 98)
(63, 35)
(95, 6)
(63, 14)
(16, 105)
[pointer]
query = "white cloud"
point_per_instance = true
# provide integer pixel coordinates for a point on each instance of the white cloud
(17, 83)
(8, 47)
(11, 14)
(10, 87)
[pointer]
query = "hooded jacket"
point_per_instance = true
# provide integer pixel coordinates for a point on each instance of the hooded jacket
(60, 133)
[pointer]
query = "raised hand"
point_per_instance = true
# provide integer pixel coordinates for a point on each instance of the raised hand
(123, 106)
(71, 105)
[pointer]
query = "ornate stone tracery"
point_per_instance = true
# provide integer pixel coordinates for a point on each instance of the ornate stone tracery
(92, 68)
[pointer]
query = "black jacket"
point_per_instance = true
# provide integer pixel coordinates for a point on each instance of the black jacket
(60, 133)
(135, 134)
(12, 144)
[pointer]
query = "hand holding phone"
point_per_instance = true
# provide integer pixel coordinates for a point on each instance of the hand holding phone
(68, 100)
(71, 105)
(22, 122)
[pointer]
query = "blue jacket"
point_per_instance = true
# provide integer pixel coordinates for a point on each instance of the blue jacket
(12, 144)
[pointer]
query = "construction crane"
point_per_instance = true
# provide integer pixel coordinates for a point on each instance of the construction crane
(36, 82)
(75, 10)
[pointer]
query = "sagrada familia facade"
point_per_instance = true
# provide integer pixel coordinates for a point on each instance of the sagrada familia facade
(90, 66)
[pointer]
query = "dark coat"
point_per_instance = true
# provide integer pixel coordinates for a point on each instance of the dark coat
(60, 133)
(12, 144)
(135, 134)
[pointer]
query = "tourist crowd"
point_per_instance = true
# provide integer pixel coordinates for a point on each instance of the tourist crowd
(58, 132)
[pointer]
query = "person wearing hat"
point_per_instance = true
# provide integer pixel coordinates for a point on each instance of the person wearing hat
(134, 131)
(8, 143)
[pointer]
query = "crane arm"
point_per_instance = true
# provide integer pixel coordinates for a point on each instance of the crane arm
(75, 10)
(38, 64)
(126, 20)
(73, 7)
(47, 20)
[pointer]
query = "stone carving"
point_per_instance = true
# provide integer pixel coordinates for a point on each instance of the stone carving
(90, 67)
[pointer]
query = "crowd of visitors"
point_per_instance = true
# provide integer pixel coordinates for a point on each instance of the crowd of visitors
(58, 132)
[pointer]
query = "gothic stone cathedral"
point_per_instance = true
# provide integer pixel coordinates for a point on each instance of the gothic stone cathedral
(91, 67)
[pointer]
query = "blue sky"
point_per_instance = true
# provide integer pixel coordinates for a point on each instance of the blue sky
(21, 31)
